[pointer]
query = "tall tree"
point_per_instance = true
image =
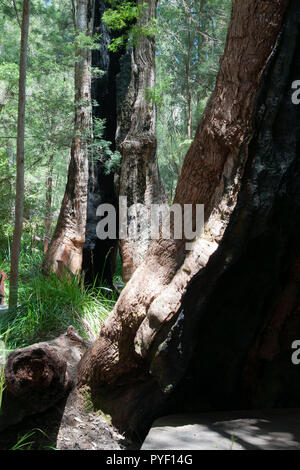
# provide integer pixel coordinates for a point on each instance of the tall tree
(136, 139)
(157, 338)
(66, 246)
(19, 206)
(190, 41)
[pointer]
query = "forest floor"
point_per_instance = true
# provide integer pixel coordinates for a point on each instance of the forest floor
(67, 426)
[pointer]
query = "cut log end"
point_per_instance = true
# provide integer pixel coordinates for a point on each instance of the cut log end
(34, 369)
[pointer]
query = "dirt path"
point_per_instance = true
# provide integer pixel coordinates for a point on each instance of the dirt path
(67, 426)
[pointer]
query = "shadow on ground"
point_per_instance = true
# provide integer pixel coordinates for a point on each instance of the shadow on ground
(241, 430)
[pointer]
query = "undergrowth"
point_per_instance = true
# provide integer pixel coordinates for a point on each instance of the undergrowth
(49, 305)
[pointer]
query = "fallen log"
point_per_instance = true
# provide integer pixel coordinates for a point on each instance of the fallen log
(40, 375)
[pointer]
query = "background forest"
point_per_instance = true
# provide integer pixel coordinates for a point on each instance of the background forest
(190, 37)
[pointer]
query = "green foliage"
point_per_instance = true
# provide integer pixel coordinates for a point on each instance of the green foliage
(24, 443)
(49, 108)
(122, 14)
(126, 18)
(156, 94)
(120, 17)
(84, 41)
(48, 306)
(189, 43)
(100, 148)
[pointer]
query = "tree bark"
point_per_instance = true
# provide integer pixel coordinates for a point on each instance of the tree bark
(19, 205)
(68, 240)
(165, 305)
(240, 316)
(139, 181)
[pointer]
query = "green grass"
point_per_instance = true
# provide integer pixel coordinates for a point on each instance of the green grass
(48, 305)
(24, 443)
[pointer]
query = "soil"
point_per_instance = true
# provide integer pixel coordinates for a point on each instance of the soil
(67, 426)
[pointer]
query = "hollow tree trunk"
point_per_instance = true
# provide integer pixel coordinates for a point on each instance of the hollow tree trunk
(136, 139)
(67, 243)
(99, 256)
(234, 167)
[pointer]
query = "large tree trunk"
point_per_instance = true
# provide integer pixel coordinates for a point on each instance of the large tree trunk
(67, 243)
(19, 204)
(240, 315)
(136, 139)
(219, 302)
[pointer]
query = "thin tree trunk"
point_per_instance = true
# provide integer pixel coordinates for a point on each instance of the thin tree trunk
(67, 243)
(212, 175)
(199, 47)
(19, 206)
(136, 139)
(188, 83)
(49, 188)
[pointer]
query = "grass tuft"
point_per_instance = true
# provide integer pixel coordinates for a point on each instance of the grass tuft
(48, 305)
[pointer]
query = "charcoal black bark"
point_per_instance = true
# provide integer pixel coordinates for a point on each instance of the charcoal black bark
(99, 256)
(230, 347)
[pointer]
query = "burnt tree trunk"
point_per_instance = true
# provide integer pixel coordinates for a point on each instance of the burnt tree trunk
(215, 327)
(99, 256)
(240, 315)
(139, 181)
(67, 243)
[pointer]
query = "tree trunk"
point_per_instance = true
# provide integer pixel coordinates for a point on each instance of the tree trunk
(66, 246)
(49, 188)
(177, 306)
(140, 181)
(240, 316)
(188, 82)
(19, 205)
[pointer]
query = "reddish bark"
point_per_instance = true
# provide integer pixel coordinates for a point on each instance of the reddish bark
(208, 177)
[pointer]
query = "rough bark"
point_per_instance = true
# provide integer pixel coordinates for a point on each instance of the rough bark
(67, 243)
(39, 376)
(240, 316)
(136, 140)
(19, 203)
(211, 175)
